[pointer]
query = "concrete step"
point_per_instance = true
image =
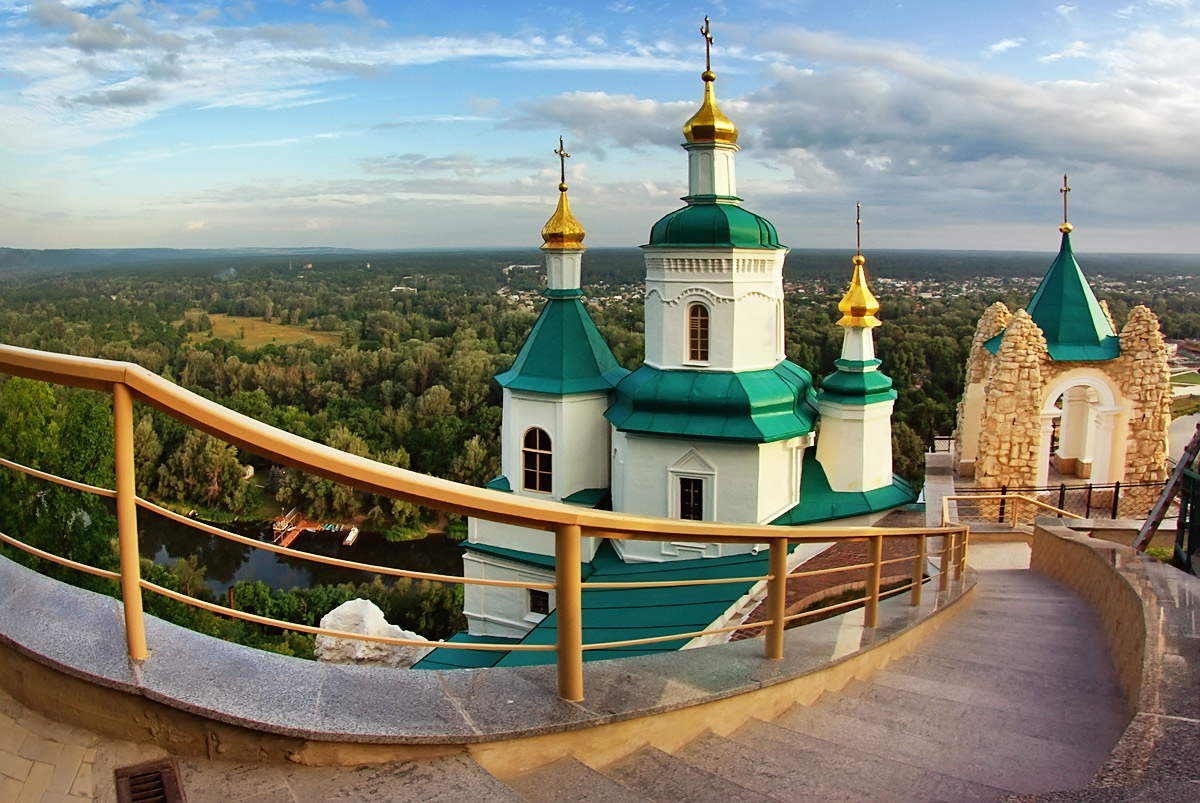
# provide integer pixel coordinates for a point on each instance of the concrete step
(851, 774)
(662, 777)
(1093, 731)
(449, 779)
(795, 775)
(964, 733)
(1014, 765)
(570, 781)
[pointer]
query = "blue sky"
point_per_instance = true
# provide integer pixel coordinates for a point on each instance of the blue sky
(365, 124)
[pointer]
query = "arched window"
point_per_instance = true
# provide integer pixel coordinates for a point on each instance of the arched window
(535, 459)
(698, 333)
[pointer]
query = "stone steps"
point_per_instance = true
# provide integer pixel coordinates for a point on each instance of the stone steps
(1016, 696)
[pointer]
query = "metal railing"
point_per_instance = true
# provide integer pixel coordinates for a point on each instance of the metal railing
(1115, 500)
(1000, 508)
(127, 383)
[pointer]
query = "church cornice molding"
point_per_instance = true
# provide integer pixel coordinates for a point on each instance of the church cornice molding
(713, 297)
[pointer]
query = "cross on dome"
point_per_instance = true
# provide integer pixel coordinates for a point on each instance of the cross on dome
(708, 43)
(1066, 227)
(563, 156)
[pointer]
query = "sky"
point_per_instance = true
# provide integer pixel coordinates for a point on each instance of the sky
(379, 125)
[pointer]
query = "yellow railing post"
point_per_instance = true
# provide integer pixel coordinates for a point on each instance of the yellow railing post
(776, 597)
(960, 555)
(875, 556)
(568, 607)
(944, 561)
(918, 573)
(127, 529)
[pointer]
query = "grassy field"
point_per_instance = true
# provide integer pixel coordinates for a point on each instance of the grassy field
(255, 332)
(1191, 378)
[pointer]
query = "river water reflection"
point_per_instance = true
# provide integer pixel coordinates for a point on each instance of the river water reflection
(165, 541)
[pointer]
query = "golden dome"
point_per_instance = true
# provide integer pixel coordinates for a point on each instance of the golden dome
(858, 308)
(710, 124)
(563, 230)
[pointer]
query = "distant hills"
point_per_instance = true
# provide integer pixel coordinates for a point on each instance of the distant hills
(26, 262)
(614, 265)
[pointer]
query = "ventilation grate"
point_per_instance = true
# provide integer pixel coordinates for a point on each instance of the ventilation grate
(152, 782)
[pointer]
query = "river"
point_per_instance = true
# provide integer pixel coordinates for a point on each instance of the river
(165, 541)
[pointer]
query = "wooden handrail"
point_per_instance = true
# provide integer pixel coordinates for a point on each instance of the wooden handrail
(569, 523)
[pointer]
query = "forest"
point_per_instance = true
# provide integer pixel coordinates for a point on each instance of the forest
(391, 356)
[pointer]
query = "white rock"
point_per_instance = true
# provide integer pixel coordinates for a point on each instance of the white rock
(363, 616)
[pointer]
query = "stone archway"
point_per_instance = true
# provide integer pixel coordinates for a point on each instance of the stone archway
(1090, 443)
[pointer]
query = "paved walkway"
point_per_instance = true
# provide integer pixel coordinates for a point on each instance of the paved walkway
(43, 760)
(1015, 695)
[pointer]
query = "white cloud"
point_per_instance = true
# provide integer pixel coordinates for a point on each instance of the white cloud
(1075, 50)
(1002, 46)
(195, 225)
(1065, 10)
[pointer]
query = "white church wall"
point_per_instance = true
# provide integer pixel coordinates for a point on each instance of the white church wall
(579, 440)
(522, 539)
(779, 477)
(855, 445)
(499, 610)
(741, 480)
(743, 336)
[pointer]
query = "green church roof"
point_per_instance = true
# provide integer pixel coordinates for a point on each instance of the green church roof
(564, 353)
(749, 406)
(709, 220)
(618, 614)
(1066, 310)
(847, 386)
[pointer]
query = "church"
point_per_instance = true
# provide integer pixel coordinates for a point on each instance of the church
(715, 425)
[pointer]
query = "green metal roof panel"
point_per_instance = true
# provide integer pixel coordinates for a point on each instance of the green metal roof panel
(621, 614)
(819, 502)
(611, 614)
(857, 387)
(500, 483)
(750, 406)
(1107, 349)
(465, 659)
(596, 498)
(1066, 310)
(563, 354)
(709, 221)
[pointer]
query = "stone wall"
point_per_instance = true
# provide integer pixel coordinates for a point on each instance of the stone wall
(1143, 374)
(1010, 434)
(979, 361)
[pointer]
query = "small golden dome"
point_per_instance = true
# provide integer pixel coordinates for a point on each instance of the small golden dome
(1066, 228)
(563, 230)
(709, 123)
(858, 308)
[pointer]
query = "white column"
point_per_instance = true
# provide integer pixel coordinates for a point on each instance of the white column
(1044, 454)
(710, 168)
(1102, 463)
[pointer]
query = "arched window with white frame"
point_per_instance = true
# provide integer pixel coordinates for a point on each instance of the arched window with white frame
(697, 334)
(536, 461)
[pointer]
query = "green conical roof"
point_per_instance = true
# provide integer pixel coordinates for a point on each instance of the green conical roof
(564, 353)
(1066, 310)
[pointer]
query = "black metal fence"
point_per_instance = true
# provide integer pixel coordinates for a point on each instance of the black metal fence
(1111, 501)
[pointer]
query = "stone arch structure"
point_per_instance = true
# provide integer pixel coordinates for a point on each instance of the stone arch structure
(1091, 423)
(1114, 415)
